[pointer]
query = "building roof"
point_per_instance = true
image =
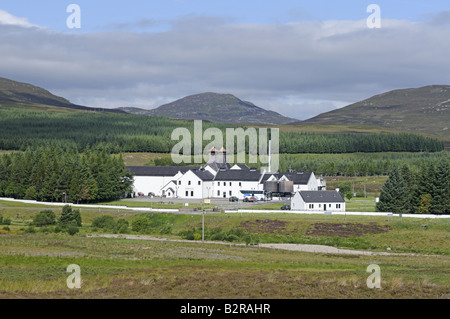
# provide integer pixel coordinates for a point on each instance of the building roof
(217, 166)
(299, 178)
(238, 175)
(203, 175)
(321, 197)
(159, 170)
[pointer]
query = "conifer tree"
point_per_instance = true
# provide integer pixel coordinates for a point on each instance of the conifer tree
(440, 202)
(394, 194)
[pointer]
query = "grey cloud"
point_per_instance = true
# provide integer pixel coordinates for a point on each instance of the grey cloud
(282, 67)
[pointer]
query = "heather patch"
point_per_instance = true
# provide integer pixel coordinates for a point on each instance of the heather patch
(266, 226)
(346, 229)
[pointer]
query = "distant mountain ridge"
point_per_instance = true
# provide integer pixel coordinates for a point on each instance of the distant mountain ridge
(18, 94)
(418, 110)
(214, 107)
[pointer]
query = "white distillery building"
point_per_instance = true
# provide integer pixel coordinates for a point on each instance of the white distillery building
(318, 201)
(216, 179)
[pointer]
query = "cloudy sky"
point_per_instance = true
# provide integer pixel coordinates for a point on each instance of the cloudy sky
(299, 58)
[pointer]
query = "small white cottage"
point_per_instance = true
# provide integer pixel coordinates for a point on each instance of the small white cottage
(318, 201)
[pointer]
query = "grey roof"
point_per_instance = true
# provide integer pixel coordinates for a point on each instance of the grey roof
(322, 197)
(300, 178)
(158, 170)
(217, 166)
(203, 175)
(238, 175)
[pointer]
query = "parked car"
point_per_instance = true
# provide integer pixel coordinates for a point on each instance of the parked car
(234, 199)
(151, 194)
(250, 199)
(286, 207)
(140, 194)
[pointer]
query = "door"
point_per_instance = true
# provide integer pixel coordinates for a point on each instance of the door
(324, 207)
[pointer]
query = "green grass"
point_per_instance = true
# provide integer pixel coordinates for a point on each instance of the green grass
(34, 266)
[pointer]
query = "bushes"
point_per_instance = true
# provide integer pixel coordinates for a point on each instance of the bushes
(44, 218)
(107, 223)
(153, 224)
(5, 221)
(218, 234)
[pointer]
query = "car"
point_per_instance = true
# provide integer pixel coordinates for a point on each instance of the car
(286, 207)
(250, 199)
(140, 194)
(233, 199)
(151, 195)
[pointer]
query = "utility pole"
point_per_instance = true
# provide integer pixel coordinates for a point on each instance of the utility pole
(365, 197)
(203, 226)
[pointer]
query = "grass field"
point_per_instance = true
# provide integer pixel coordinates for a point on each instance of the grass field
(33, 265)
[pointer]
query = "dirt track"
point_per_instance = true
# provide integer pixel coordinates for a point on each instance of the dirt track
(320, 249)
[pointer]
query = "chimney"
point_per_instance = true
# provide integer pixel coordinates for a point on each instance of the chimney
(212, 155)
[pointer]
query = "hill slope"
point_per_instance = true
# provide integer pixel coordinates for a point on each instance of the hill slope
(420, 110)
(214, 107)
(24, 95)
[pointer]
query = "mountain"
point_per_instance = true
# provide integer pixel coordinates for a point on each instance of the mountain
(418, 110)
(24, 95)
(214, 107)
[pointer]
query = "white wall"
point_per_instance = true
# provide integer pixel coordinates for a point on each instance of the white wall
(297, 203)
(194, 190)
(234, 188)
(146, 184)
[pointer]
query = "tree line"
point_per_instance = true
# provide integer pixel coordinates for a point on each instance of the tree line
(58, 175)
(422, 191)
(116, 133)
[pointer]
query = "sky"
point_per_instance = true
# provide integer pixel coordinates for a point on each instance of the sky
(298, 58)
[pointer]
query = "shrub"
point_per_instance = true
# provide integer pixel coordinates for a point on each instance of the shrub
(69, 216)
(345, 187)
(140, 224)
(197, 236)
(6, 228)
(5, 221)
(30, 230)
(121, 226)
(165, 230)
(72, 230)
(44, 218)
(104, 222)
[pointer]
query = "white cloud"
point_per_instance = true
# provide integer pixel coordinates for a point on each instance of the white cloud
(8, 19)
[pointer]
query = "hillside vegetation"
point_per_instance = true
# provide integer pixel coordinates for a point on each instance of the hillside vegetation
(418, 110)
(20, 129)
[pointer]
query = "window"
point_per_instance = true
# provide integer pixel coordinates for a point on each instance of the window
(218, 193)
(329, 205)
(230, 183)
(199, 183)
(230, 193)
(218, 183)
(311, 206)
(240, 184)
(192, 193)
(320, 205)
(187, 193)
(179, 182)
(338, 205)
(189, 182)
